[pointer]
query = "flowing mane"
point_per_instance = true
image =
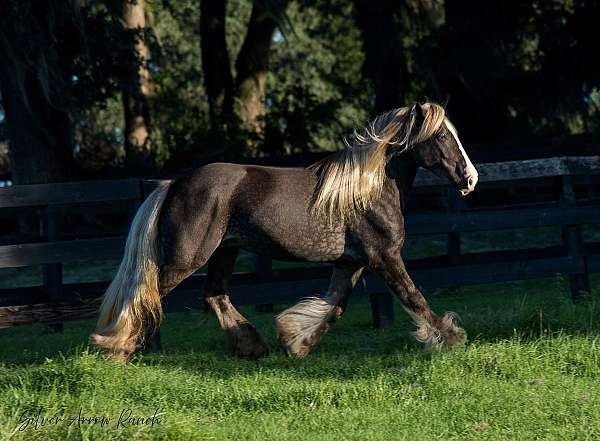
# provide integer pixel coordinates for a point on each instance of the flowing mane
(351, 179)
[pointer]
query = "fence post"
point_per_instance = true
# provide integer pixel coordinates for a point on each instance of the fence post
(593, 182)
(263, 267)
(382, 309)
(573, 243)
(151, 342)
(455, 204)
(52, 272)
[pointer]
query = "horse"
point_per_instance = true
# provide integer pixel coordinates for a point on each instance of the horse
(346, 210)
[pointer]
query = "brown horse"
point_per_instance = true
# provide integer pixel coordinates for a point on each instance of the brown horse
(346, 210)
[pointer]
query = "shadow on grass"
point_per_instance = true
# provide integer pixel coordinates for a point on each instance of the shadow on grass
(193, 341)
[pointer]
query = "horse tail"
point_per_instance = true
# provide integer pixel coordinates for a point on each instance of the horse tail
(131, 305)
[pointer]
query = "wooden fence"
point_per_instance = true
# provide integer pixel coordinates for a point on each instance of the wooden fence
(553, 192)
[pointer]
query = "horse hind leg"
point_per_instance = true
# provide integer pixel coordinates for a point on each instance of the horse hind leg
(243, 338)
(170, 276)
(302, 326)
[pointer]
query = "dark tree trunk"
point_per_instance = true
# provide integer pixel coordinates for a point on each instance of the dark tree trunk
(139, 151)
(245, 119)
(384, 61)
(215, 61)
(252, 67)
(40, 135)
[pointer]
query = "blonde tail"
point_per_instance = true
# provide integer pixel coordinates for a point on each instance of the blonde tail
(131, 304)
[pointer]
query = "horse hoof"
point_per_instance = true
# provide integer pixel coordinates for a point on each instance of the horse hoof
(294, 345)
(296, 352)
(246, 342)
(119, 357)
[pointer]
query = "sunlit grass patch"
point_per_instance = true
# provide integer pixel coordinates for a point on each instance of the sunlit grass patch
(531, 370)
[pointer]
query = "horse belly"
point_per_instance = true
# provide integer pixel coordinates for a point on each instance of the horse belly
(287, 239)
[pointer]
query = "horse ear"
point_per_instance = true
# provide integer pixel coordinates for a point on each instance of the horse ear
(419, 115)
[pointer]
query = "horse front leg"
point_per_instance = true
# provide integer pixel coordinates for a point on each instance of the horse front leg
(431, 330)
(301, 327)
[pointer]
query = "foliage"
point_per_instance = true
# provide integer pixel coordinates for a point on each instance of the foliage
(180, 104)
(315, 96)
(99, 135)
(531, 66)
(77, 54)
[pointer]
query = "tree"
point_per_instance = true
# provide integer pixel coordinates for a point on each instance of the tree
(139, 149)
(317, 94)
(218, 79)
(384, 57)
(237, 105)
(37, 43)
(252, 66)
(60, 59)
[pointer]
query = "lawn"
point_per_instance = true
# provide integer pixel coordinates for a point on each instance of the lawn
(531, 370)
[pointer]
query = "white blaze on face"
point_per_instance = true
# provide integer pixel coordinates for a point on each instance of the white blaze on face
(470, 171)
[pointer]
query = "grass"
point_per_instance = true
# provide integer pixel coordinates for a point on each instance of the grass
(530, 371)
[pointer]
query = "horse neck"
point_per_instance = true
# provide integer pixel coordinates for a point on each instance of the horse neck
(403, 170)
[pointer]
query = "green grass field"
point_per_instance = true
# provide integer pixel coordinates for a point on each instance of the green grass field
(531, 370)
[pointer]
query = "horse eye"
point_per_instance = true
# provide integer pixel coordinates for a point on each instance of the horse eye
(442, 135)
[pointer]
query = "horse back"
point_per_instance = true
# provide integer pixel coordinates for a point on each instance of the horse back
(261, 209)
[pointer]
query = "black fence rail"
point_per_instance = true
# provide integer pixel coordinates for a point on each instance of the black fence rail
(553, 192)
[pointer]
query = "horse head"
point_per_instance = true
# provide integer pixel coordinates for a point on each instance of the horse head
(443, 152)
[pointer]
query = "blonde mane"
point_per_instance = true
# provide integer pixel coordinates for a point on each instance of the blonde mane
(351, 179)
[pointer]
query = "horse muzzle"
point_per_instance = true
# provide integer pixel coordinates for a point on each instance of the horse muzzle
(469, 183)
